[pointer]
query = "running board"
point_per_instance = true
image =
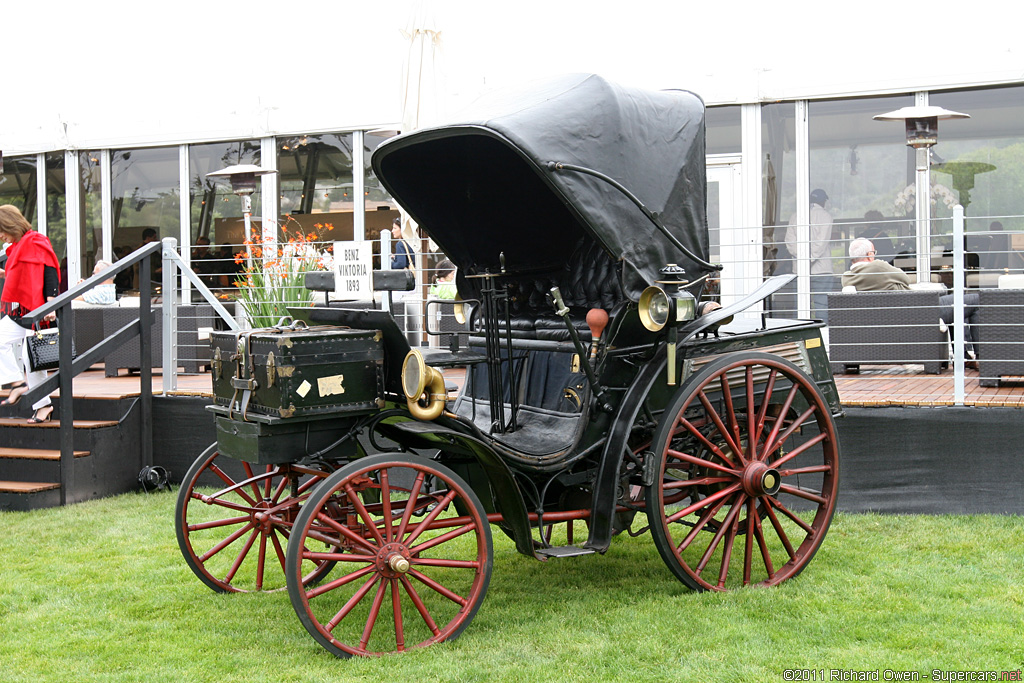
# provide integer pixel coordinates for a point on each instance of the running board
(564, 551)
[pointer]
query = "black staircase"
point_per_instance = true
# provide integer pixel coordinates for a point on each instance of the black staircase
(92, 447)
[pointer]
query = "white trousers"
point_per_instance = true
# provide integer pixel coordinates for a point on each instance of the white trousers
(12, 335)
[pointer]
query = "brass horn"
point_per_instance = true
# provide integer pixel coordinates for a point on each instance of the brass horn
(424, 388)
(459, 310)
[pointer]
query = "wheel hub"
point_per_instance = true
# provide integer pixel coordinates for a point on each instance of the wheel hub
(760, 480)
(393, 560)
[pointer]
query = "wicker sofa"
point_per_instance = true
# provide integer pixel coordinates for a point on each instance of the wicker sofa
(886, 328)
(999, 334)
(193, 353)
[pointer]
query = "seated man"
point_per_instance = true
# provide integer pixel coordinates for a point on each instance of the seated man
(866, 274)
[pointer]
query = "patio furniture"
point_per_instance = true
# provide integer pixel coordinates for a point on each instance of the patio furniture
(886, 328)
(999, 335)
(193, 352)
(88, 325)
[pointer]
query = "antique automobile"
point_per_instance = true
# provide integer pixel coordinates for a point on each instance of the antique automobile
(603, 392)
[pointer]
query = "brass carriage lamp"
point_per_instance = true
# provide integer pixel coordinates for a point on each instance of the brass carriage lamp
(669, 305)
(922, 126)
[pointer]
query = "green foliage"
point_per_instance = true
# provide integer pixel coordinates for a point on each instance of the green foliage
(99, 592)
(273, 277)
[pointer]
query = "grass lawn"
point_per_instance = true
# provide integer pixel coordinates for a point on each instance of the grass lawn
(99, 592)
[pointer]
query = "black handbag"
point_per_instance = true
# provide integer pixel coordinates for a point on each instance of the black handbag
(44, 349)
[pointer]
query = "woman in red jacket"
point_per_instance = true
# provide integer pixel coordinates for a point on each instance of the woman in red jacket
(31, 278)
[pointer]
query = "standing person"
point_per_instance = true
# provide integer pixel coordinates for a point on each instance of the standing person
(821, 252)
(402, 256)
(32, 277)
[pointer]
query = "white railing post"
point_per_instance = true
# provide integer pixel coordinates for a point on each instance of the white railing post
(958, 305)
(169, 271)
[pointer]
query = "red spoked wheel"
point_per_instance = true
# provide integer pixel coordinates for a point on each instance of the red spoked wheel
(415, 544)
(747, 474)
(233, 522)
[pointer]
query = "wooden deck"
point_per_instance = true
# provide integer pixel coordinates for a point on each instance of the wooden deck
(908, 385)
(882, 385)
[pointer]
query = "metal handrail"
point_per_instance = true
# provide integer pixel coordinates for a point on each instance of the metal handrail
(63, 379)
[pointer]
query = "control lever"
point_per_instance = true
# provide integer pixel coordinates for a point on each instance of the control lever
(563, 312)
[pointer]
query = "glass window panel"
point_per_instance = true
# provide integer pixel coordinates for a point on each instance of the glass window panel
(18, 185)
(381, 208)
(56, 204)
(145, 190)
(724, 135)
(778, 159)
(91, 226)
(979, 159)
(316, 187)
(864, 167)
(217, 224)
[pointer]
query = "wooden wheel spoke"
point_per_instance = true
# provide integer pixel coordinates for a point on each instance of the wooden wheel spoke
(702, 481)
(251, 479)
(730, 539)
(436, 562)
(357, 503)
(802, 448)
(385, 500)
(277, 548)
(700, 462)
(773, 434)
(340, 581)
(717, 538)
(806, 494)
(409, 507)
(805, 470)
(699, 526)
(437, 587)
(241, 556)
(707, 443)
(281, 490)
(733, 444)
(417, 602)
(773, 446)
(748, 542)
(351, 604)
(230, 521)
(344, 531)
(762, 543)
(779, 531)
(261, 562)
(762, 413)
(425, 523)
(371, 619)
(689, 510)
(730, 413)
(225, 543)
(396, 610)
(752, 430)
(443, 538)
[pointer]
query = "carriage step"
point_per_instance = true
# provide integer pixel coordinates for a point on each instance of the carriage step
(565, 551)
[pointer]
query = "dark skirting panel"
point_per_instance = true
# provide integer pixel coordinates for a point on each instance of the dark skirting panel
(182, 430)
(932, 460)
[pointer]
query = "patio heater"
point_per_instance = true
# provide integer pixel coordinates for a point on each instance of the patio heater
(922, 125)
(244, 178)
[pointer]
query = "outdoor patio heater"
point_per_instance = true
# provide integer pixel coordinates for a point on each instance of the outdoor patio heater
(922, 126)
